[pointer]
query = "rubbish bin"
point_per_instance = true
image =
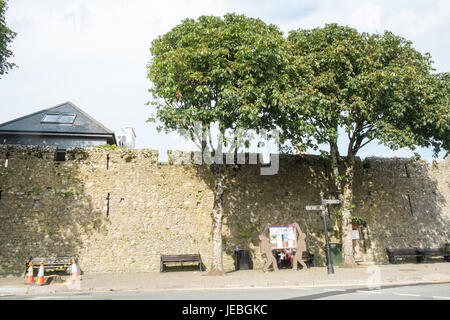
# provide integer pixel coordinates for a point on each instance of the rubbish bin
(243, 260)
(447, 247)
(336, 253)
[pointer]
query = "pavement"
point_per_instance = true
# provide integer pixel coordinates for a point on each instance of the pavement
(368, 276)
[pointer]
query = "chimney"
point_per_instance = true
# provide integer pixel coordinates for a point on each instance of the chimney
(126, 138)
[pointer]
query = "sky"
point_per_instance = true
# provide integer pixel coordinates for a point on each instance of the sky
(94, 53)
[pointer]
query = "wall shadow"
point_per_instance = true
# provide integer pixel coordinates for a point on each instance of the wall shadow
(251, 201)
(400, 202)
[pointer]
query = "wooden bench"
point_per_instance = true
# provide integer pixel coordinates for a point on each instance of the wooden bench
(421, 254)
(394, 254)
(51, 264)
(433, 252)
(180, 258)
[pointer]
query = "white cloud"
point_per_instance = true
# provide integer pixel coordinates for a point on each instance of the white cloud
(366, 15)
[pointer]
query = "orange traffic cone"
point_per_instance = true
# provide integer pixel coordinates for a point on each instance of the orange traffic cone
(30, 278)
(75, 276)
(40, 277)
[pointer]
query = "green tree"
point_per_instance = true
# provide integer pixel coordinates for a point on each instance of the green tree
(6, 36)
(227, 72)
(375, 87)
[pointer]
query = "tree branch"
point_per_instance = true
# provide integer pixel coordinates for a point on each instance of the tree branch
(368, 141)
(194, 140)
(210, 139)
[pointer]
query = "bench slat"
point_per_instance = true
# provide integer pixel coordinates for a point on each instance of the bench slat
(180, 258)
(185, 257)
(431, 251)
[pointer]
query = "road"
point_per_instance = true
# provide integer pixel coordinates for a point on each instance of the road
(440, 291)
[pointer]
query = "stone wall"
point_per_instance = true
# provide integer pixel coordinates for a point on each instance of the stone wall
(118, 209)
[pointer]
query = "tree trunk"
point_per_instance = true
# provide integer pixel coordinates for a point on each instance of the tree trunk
(346, 197)
(217, 216)
(348, 259)
(334, 153)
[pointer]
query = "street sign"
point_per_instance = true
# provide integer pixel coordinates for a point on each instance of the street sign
(314, 207)
(332, 201)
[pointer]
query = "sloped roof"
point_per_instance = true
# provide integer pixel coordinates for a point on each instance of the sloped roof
(83, 123)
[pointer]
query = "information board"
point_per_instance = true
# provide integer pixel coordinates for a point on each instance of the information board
(282, 236)
(355, 234)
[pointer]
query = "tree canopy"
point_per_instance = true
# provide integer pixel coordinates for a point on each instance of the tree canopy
(6, 36)
(226, 70)
(374, 86)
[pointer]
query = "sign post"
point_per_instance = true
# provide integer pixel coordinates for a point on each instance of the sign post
(322, 208)
(329, 262)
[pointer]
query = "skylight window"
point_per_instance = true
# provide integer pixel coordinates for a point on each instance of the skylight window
(50, 118)
(58, 118)
(66, 118)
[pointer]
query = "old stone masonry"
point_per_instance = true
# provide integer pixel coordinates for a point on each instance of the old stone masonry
(119, 209)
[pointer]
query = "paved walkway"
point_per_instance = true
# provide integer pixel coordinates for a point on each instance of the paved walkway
(369, 276)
